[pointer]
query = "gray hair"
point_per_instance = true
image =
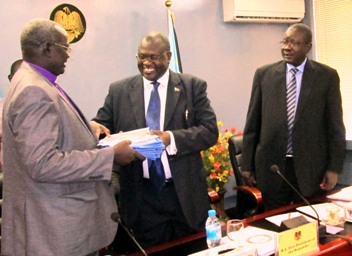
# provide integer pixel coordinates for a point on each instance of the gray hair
(37, 32)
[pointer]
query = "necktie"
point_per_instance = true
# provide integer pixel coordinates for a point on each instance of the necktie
(291, 105)
(156, 170)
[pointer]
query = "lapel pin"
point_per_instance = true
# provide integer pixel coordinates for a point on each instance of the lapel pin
(176, 89)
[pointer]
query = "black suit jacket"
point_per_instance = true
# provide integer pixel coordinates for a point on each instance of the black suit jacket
(318, 130)
(191, 119)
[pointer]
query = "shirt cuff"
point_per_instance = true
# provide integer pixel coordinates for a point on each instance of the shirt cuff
(171, 149)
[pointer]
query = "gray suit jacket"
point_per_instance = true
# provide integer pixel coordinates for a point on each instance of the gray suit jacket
(318, 131)
(189, 117)
(57, 197)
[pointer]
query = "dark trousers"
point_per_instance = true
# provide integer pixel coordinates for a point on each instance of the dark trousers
(160, 219)
(286, 195)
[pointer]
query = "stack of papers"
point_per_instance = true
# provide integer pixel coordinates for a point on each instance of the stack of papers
(344, 194)
(150, 146)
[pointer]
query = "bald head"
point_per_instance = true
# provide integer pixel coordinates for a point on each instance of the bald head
(304, 29)
(157, 38)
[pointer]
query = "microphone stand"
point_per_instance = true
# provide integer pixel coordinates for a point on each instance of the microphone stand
(274, 168)
(116, 217)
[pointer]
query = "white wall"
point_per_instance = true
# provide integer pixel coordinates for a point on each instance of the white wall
(224, 54)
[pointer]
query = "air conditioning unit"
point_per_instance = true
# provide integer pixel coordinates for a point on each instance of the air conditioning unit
(278, 11)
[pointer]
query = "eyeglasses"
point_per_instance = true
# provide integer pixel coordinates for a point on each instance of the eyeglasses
(142, 57)
(292, 43)
(66, 48)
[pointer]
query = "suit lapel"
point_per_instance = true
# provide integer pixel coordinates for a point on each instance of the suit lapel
(306, 88)
(135, 95)
(71, 106)
(279, 90)
(174, 90)
(74, 108)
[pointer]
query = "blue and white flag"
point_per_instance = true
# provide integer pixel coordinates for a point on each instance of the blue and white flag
(175, 62)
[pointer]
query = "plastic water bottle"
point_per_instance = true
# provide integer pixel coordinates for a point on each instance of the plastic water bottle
(213, 229)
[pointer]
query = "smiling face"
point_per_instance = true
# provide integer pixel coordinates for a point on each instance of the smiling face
(295, 45)
(153, 58)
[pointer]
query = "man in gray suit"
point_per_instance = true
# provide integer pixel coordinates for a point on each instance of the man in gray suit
(311, 154)
(57, 193)
(187, 126)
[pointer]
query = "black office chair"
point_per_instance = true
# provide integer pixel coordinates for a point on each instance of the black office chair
(249, 199)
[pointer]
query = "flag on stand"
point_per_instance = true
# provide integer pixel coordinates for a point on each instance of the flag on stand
(175, 62)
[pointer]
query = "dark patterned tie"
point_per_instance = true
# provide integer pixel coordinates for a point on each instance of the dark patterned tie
(156, 170)
(291, 105)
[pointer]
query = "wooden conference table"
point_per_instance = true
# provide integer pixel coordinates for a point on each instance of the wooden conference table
(329, 245)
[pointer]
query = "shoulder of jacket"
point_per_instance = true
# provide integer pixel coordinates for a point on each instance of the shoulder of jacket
(126, 81)
(185, 78)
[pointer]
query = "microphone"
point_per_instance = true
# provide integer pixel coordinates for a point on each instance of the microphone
(275, 169)
(115, 216)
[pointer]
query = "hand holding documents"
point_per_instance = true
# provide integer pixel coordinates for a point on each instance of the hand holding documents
(148, 145)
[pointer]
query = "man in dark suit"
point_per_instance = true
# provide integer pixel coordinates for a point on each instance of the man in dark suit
(310, 152)
(187, 126)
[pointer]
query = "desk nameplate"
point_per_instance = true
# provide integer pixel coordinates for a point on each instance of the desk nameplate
(302, 240)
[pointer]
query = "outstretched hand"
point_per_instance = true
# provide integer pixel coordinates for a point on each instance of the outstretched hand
(99, 129)
(164, 136)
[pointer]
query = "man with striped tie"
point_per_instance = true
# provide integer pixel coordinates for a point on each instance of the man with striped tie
(294, 121)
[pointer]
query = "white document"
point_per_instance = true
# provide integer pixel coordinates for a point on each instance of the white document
(150, 146)
(253, 239)
(344, 194)
(134, 136)
(277, 219)
(321, 210)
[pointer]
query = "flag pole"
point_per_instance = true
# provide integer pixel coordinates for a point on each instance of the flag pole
(168, 4)
(175, 62)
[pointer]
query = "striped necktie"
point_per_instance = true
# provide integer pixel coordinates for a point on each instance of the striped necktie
(156, 170)
(291, 105)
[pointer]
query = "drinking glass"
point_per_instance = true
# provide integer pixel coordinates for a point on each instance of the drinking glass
(234, 228)
(333, 215)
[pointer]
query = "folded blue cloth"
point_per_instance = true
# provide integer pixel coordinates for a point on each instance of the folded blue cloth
(151, 149)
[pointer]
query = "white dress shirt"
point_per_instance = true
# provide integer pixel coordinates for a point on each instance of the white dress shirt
(171, 149)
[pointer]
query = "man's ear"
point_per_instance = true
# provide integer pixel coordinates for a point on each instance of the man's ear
(309, 47)
(46, 48)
